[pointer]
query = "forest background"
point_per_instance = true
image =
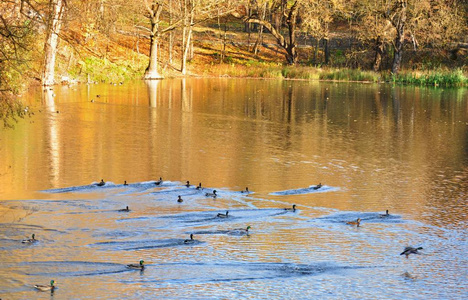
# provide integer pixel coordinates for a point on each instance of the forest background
(51, 42)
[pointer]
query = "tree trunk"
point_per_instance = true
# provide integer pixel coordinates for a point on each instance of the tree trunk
(186, 46)
(379, 50)
(326, 50)
(288, 43)
(291, 49)
(151, 71)
(258, 41)
(184, 40)
(327, 44)
(50, 48)
(399, 22)
(398, 47)
(171, 34)
(316, 48)
(260, 30)
(291, 54)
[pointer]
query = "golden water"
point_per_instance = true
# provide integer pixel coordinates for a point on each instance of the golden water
(378, 146)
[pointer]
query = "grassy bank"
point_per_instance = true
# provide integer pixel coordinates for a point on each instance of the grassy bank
(104, 70)
(442, 77)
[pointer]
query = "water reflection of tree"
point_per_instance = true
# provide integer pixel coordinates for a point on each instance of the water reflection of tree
(288, 103)
(152, 86)
(10, 109)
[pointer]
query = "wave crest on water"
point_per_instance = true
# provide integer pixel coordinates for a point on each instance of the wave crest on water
(309, 190)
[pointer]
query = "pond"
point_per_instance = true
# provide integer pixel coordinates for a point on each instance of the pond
(338, 151)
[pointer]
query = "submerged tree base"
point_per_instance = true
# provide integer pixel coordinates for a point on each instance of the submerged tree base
(152, 75)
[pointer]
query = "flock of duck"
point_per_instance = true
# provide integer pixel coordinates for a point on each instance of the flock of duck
(241, 231)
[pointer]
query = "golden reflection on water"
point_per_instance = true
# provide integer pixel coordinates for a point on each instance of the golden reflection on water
(385, 147)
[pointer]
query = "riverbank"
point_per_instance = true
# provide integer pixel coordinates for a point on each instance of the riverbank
(103, 70)
(116, 58)
(440, 77)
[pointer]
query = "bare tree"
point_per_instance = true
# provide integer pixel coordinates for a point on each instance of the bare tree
(397, 22)
(318, 17)
(195, 12)
(54, 23)
(154, 9)
(286, 15)
(398, 19)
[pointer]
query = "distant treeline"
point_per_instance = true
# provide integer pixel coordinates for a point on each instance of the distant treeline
(39, 38)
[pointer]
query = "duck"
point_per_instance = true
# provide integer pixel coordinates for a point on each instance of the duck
(46, 288)
(101, 183)
(220, 215)
(180, 199)
(246, 190)
(357, 222)
(31, 240)
(159, 181)
(189, 241)
(187, 184)
(139, 266)
(411, 250)
(126, 209)
(213, 194)
(199, 187)
(241, 231)
(293, 208)
(386, 214)
(318, 186)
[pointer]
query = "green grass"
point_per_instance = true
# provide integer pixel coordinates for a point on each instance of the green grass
(271, 70)
(446, 78)
(349, 75)
(103, 70)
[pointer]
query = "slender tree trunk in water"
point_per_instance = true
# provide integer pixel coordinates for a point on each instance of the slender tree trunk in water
(379, 50)
(50, 48)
